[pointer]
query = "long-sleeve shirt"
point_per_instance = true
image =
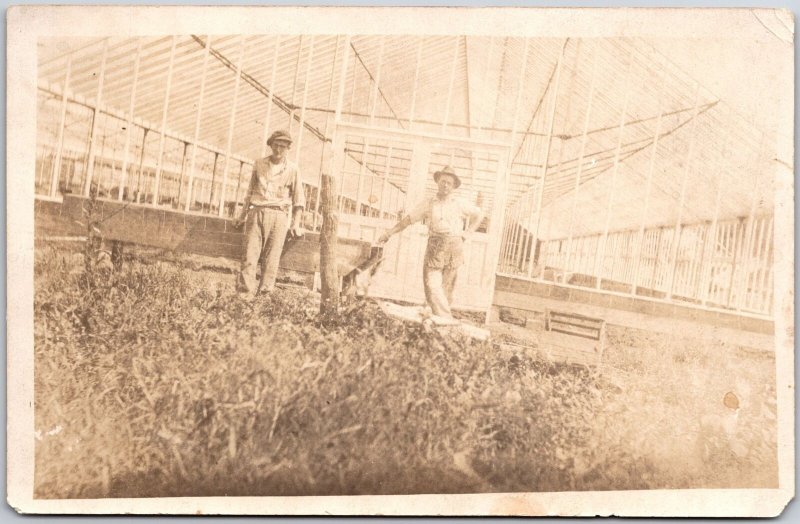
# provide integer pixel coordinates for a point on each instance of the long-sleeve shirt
(276, 185)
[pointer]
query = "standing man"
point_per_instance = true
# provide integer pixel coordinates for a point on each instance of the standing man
(274, 197)
(445, 214)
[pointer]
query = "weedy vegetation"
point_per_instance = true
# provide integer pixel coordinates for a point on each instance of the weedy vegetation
(157, 380)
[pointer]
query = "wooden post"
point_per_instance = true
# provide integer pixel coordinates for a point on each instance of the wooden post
(197, 116)
(56, 176)
(164, 112)
(329, 304)
(95, 122)
(129, 129)
(329, 274)
(231, 125)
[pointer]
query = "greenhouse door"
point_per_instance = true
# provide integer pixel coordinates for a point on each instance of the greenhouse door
(382, 173)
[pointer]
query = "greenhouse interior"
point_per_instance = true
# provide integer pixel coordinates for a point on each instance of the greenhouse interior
(600, 165)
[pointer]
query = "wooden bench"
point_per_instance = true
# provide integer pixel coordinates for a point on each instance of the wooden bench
(572, 338)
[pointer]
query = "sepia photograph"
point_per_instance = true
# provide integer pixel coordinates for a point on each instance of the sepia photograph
(476, 258)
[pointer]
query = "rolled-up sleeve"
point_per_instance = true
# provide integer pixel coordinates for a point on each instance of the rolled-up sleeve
(470, 210)
(419, 211)
(298, 192)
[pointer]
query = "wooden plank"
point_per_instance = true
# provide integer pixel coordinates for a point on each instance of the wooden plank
(574, 316)
(575, 332)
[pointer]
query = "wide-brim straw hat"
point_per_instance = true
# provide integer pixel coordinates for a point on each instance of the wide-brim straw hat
(279, 135)
(447, 170)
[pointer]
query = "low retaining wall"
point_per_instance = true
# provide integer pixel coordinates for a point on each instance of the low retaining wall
(177, 231)
(536, 296)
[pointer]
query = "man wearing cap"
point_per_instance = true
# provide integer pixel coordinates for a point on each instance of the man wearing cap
(274, 197)
(445, 214)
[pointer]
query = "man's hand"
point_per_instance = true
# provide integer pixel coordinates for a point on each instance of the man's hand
(296, 232)
(383, 238)
(238, 222)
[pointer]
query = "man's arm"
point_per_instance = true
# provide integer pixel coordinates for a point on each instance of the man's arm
(298, 205)
(399, 226)
(246, 204)
(416, 214)
(474, 218)
(297, 218)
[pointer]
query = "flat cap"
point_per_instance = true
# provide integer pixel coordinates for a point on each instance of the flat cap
(279, 135)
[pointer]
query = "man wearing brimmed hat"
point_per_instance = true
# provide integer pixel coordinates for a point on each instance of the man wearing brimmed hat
(445, 214)
(274, 197)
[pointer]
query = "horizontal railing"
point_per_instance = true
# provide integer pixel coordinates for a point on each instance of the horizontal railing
(723, 265)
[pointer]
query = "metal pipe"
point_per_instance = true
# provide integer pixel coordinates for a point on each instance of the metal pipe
(766, 269)
(647, 195)
(338, 114)
(452, 82)
(741, 282)
(164, 112)
(382, 205)
(183, 169)
(706, 275)
(486, 71)
(268, 118)
(684, 184)
(56, 175)
(305, 99)
(129, 128)
(95, 122)
(294, 84)
(579, 171)
(238, 186)
(211, 188)
(141, 166)
(203, 77)
(540, 188)
(416, 81)
(327, 124)
(518, 239)
(600, 255)
(231, 124)
(376, 84)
